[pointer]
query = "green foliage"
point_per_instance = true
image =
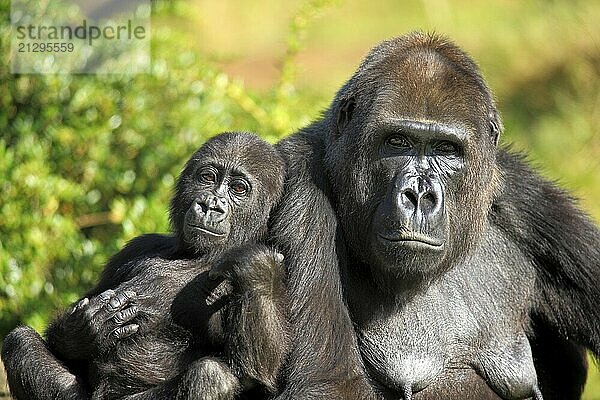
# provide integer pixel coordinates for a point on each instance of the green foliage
(89, 161)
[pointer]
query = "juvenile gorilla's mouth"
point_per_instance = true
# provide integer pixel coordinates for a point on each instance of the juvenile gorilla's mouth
(413, 237)
(206, 230)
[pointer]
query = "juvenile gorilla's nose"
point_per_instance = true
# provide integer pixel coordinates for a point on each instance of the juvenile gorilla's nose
(214, 207)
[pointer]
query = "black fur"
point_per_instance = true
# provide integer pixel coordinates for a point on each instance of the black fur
(201, 314)
(467, 275)
(324, 362)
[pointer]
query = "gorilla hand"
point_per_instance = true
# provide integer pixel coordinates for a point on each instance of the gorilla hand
(98, 323)
(250, 267)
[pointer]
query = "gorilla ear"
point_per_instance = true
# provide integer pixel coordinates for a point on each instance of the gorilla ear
(495, 127)
(345, 112)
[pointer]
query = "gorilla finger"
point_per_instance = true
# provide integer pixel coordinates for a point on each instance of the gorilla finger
(80, 304)
(105, 296)
(126, 315)
(120, 300)
(97, 302)
(220, 291)
(125, 331)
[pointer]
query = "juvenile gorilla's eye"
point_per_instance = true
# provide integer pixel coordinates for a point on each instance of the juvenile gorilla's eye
(239, 186)
(398, 141)
(207, 175)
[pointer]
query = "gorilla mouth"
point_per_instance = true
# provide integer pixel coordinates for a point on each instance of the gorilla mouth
(204, 229)
(414, 237)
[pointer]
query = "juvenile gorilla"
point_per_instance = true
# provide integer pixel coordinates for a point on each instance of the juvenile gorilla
(161, 323)
(466, 274)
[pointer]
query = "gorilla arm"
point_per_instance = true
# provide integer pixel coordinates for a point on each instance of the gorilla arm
(256, 331)
(34, 373)
(47, 378)
(564, 245)
(324, 362)
(120, 267)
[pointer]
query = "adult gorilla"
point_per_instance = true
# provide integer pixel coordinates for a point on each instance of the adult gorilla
(460, 259)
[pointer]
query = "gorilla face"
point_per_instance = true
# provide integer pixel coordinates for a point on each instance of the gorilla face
(219, 193)
(417, 161)
(411, 159)
(225, 193)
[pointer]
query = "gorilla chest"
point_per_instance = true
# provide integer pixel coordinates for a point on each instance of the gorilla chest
(460, 337)
(181, 298)
(443, 339)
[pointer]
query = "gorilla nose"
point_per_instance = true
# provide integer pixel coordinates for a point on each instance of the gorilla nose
(422, 201)
(419, 196)
(214, 207)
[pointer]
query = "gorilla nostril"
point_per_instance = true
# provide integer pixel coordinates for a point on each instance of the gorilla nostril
(411, 196)
(202, 204)
(211, 204)
(428, 201)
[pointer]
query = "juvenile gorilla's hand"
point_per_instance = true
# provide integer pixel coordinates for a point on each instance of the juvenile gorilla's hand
(103, 320)
(250, 267)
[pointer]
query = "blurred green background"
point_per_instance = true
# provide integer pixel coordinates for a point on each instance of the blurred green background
(87, 162)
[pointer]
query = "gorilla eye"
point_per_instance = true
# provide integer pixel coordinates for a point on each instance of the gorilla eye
(207, 176)
(239, 186)
(446, 147)
(398, 141)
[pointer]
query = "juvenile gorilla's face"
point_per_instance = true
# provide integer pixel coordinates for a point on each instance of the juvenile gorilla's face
(226, 192)
(412, 161)
(219, 193)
